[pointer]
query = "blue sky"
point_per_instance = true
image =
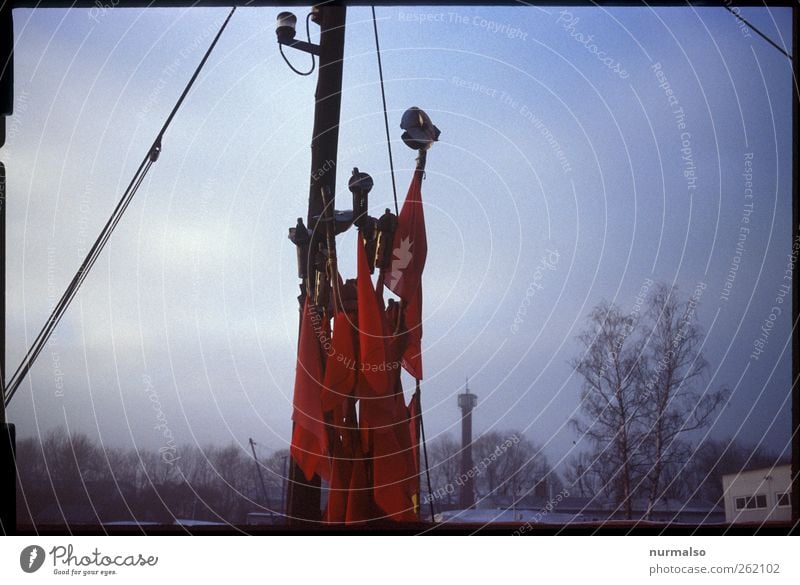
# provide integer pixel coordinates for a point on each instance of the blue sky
(546, 151)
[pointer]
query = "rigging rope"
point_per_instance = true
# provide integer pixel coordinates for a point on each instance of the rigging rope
(758, 32)
(91, 257)
(385, 114)
(425, 451)
(418, 393)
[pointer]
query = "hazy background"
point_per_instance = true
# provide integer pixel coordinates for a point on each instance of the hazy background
(194, 299)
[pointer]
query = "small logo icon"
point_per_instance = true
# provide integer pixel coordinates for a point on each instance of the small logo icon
(31, 558)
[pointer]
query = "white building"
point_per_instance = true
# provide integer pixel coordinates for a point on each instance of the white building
(758, 495)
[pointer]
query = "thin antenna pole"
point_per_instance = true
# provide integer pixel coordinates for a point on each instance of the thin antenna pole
(260, 475)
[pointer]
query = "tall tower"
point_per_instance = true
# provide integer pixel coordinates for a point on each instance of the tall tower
(466, 402)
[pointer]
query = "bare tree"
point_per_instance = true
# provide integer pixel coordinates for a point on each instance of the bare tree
(445, 466)
(611, 402)
(674, 403)
(510, 464)
(276, 477)
(714, 458)
(583, 476)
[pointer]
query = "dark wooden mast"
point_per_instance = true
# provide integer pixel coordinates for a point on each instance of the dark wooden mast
(303, 498)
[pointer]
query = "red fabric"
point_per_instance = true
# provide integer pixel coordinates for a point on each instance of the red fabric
(371, 333)
(338, 491)
(359, 497)
(385, 421)
(393, 473)
(342, 364)
(412, 356)
(309, 445)
(409, 251)
(396, 340)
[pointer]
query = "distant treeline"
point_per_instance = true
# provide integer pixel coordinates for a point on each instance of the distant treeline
(523, 470)
(71, 479)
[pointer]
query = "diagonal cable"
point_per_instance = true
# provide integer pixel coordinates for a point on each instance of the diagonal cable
(91, 257)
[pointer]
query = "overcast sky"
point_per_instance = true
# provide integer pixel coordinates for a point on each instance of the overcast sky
(550, 148)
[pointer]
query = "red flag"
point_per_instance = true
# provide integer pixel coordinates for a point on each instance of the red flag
(393, 468)
(371, 334)
(412, 357)
(359, 502)
(338, 491)
(309, 445)
(385, 421)
(409, 251)
(342, 364)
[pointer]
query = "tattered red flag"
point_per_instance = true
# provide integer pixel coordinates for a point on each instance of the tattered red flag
(309, 444)
(338, 491)
(342, 365)
(393, 468)
(359, 500)
(384, 420)
(404, 277)
(372, 350)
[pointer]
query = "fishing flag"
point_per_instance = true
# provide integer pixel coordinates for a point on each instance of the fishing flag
(309, 445)
(371, 339)
(386, 436)
(359, 502)
(342, 365)
(394, 475)
(409, 251)
(339, 490)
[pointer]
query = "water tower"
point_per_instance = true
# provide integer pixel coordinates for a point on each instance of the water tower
(466, 402)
